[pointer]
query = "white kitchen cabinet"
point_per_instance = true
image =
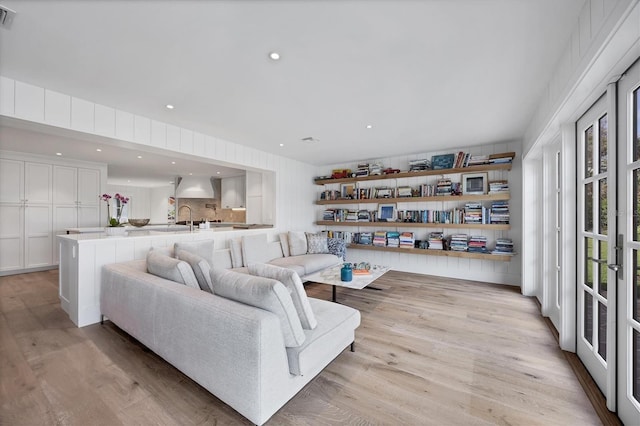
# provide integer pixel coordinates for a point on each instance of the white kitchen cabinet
(11, 181)
(233, 192)
(25, 215)
(76, 198)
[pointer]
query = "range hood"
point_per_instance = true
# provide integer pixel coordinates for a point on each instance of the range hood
(195, 187)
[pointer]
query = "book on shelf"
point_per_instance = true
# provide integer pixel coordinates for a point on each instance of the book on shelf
(393, 239)
(436, 241)
(365, 238)
(477, 244)
(475, 213)
(404, 191)
(380, 239)
(419, 165)
(500, 212)
(443, 186)
(504, 246)
(407, 240)
(498, 186)
(502, 158)
(458, 242)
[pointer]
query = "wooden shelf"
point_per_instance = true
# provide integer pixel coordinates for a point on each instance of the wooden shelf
(427, 252)
(471, 169)
(493, 227)
(442, 198)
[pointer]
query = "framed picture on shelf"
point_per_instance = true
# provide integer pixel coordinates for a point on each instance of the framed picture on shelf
(474, 183)
(386, 212)
(445, 161)
(348, 190)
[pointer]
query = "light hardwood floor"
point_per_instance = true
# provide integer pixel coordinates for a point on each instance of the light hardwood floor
(429, 351)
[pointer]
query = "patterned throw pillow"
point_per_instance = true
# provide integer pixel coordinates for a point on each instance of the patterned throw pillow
(317, 243)
(338, 247)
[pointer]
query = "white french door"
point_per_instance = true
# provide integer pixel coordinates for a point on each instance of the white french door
(628, 318)
(551, 303)
(596, 233)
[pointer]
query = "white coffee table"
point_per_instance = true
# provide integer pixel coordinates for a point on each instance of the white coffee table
(331, 276)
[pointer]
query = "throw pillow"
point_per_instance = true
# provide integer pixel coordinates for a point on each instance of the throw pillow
(297, 243)
(204, 249)
(200, 267)
(235, 245)
(292, 281)
(171, 269)
(284, 243)
(263, 293)
(338, 247)
(316, 243)
(255, 248)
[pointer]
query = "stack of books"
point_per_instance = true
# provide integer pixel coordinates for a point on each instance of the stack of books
(364, 216)
(502, 158)
(498, 186)
(474, 213)
(407, 240)
(504, 246)
(380, 239)
(362, 170)
(330, 195)
(477, 244)
(352, 216)
(427, 190)
(458, 242)
(476, 160)
(436, 241)
(500, 212)
(329, 214)
(443, 187)
(364, 238)
(393, 239)
(421, 164)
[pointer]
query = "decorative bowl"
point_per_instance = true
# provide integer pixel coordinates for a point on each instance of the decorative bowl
(139, 222)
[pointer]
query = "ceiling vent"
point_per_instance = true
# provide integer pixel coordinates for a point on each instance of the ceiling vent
(6, 16)
(310, 139)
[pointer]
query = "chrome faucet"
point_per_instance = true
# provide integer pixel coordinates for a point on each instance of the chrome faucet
(190, 217)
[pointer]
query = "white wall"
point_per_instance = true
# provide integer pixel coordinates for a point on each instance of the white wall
(472, 269)
(139, 206)
(159, 200)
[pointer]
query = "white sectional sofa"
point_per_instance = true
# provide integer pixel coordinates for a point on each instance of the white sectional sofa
(240, 352)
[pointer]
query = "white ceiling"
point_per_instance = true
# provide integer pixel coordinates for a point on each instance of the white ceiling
(426, 75)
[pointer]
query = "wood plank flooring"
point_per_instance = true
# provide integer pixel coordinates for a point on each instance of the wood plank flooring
(430, 350)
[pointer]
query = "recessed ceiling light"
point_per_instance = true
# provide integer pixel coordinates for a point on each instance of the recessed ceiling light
(139, 156)
(274, 56)
(190, 174)
(173, 162)
(58, 153)
(281, 144)
(169, 106)
(98, 149)
(171, 182)
(369, 126)
(128, 181)
(217, 173)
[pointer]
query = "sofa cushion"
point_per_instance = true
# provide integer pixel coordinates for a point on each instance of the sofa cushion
(204, 249)
(297, 243)
(255, 249)
(171, 269)
(316, 243)
(294, 263)
(200, 267)
(235, 244)
(292, 281)
(336, 325)
(263, 293)
(284, 243)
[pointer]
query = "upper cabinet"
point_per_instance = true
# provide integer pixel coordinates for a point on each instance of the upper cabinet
(233, 192)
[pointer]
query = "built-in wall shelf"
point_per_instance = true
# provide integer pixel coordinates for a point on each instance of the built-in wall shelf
(427, 252)
(470, 169)
(493, 227)
(442, 198)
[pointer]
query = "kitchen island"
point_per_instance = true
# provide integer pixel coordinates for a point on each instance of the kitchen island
(82, 256)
